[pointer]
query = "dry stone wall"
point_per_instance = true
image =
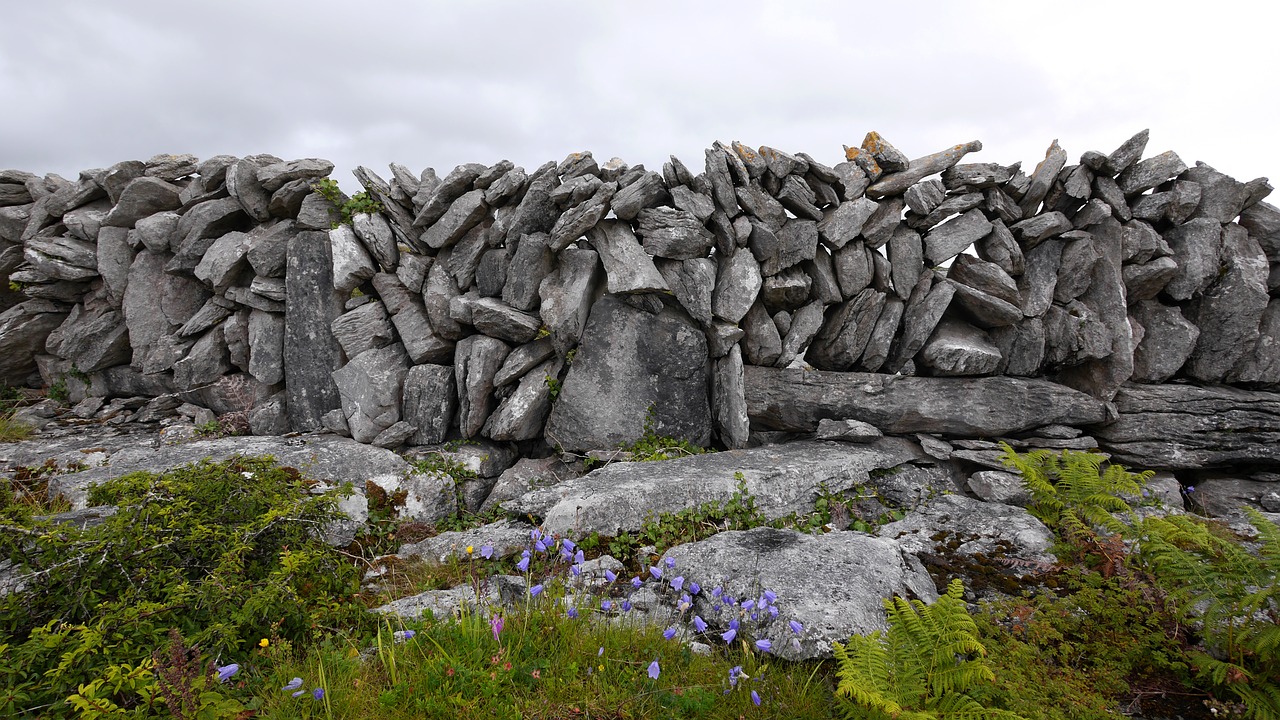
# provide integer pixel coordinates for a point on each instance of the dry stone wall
(1123, 301)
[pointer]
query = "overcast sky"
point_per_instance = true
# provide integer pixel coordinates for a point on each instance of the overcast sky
(87, 84)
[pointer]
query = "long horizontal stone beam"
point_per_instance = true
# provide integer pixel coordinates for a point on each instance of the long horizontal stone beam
(795, 400)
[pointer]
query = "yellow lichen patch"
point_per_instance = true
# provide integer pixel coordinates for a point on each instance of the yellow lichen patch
(851, 153)
(873, 143)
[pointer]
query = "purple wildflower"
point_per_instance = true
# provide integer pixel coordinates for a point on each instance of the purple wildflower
(699, 624)
(755, 698)
(536, 590)
(572, 613)
(636, 582)
(677, 583)
(694, 588)
(654, 670)
(294, 684)
(486, 552)
(226, 671)
(318, 693)
(496, 625)
(770, 595)
(626, 606)
(795, 626)
(729, 635)
(656, 572)
(606, 605)
(610, 575)
(669, 632)
(764, 645)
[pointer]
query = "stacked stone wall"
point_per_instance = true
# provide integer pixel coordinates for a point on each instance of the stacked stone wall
(576, 305)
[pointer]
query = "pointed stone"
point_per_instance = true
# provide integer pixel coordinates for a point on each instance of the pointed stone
(311, 353)
(728, 400)
(266, 333)
(737, 285)
(1197, 248)
(1021, 347)
(1168, 340)
(928, 301)
(1041, 180)
(1229, 312)
(371, 386)
(142, 197)
(761, 342)
(693, 282)
(1146, 174)
(953, 237)
(567, 294)
(1261, 364)
(846, 331)
(521, 415)
(894, 183)
(430, 402)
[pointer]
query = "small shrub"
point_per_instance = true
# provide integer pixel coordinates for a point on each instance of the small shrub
(361, 202)
(12, 430)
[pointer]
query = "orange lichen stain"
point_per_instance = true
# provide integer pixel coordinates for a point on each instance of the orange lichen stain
(768, 153)
(851, 153)
(873, 143)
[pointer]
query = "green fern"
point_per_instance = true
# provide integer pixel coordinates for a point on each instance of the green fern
(1072, 493)
(1235, 594)
(921, 669)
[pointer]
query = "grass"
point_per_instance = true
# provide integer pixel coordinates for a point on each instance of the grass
(12, 430)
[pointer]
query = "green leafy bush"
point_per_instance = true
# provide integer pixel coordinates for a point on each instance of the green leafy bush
(361, 202)
(924, 667)
(225, 553)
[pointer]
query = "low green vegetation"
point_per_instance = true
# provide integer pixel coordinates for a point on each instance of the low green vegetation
(209, 593)
(11, 429)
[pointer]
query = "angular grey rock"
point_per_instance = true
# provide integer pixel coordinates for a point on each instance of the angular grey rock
(521, 415)
(924, 196)
(266, 346)
(462, 215)
(1145, 281)
(671, 233)
(114, 258)
(83, 223)
(787, 290)
(1261, 364)
(853, 431)
(268, 248)
(376, 234)
(580, 218)
(887, 157)
(1075, 272)
(1042, 178)
(985, 291)
(693, 282)
(1186, 198)
(1146, 174)
(738, 284)
(627, 267)
(1000, 248)
(844, 222)
(755, 201)
(496, 319)
(951, 206)
(394, 436)
(235, 331)
(721, 337)
(1141, 242)
(1230, 312)
(140, 198)
(693, 202)
(92, 341)
(370, 387)
(566, 296)
(1038, 285)
(269, 417)
(364, 328)
(531, 263)
(224, 262)
(477, 360)
(1035, 230)
(1074, 335)
(411, 321)
(311, 353)
(761, 342)
(491, 273)
(928, 301)
(1127, 154)
(906, 253)
(506, 537)
(647, 192)
(212, 313)
(199, 228)
(880, 344)
(244, 187)
(854, 268)
(1021, 347)
(820, 269)
(998, 203)
(24, 328)
(783, 479)
(287, 201)
(536, 212)
(438, 292)
(207, 361)
(1263, 223)
(317, 213)
(274, 176)
(430, 402)
(434, 198)
(630, 364)
(14, 194)
(506, 188)
(795, 400)
(1168, 341)
(1207, 427)
(976, 176)
(522, 360)
(799, 198)
(1094, 211)
(728, 404)
(883, 222)
(845, 331)
(77, 254)
(995, 486)
(1222, 197)
(463, 258)
(957, 348)
(1154, 206)
(850, 180)
(412, 270)
(953, 237)
(1197, 248)
(831, 608)
(172, 167)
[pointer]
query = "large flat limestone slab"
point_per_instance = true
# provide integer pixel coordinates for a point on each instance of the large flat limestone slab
(783, 479)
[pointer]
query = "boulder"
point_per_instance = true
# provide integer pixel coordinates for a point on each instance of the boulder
(430, 402)
(958, 348)
(566, 296)
(1229, 312)
(370, 387)
(632, 365)
(986, 529)
(521, 415)
(24, 328)
(847, 598)
(477, 359)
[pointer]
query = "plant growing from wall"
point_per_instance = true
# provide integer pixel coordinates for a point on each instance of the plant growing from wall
(1235, 592)
(923, 667)
(361, 202)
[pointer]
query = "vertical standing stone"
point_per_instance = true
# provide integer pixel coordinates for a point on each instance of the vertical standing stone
(728, 400)
(311, 353)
